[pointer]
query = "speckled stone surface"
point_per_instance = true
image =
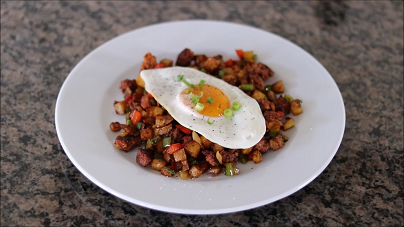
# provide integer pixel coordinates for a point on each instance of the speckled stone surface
(360, 43)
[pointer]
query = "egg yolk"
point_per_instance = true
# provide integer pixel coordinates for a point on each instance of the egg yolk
(220, 100)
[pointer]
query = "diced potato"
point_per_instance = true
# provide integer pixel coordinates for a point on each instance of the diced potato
(276, 143)
(180, 155)
(185, 165)
(163, 120)
(146, 133)
(163, 130)
(228, 71)
(257, 95)
(277, 126)
(159, 146)
(256, 156)
(154, 111)
(271, 95)
(288, 124)
(139, 81)
(248, 56)
(211, 64)
(246, 151)
(166, 62)
(216, 147)
(167, 157)
(242, 77)
(184, 175)
(205, 142)
(296, 107)
(192, 148)
(231, 79)
(277, 87)
(115, 126)
(120, 107)
(219, 157)
(195, 171)
(157, 164)
(236, 171)
(215, 170)
(196, 137)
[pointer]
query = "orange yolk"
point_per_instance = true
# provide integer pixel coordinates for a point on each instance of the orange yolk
(220, 100)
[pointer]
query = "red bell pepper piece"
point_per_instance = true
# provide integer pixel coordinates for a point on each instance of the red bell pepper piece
(135, 117)
(229, 63)
(159, 66)
(128, 98)
(174, 148)
(240, 53)
(183, 129)
(149, 95)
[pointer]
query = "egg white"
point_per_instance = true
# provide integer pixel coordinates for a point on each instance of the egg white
(244, 130)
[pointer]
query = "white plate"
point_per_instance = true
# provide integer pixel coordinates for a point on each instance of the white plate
(84, 111)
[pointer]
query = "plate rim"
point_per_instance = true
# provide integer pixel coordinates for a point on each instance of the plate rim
(196, 211)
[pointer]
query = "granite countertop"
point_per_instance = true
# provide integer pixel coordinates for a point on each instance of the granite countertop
(360, 43)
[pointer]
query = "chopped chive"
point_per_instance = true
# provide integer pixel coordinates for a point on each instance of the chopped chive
(138, 125)
(203, 70)
(247, 87)
(181, 78)
(169, 170)
(210, 100)
(236, 106)
(199, 107)
(201, 83)
(221, 74)
(187, 90)
(228, 113)
(128, 122)
(289, 98)
(210, 123)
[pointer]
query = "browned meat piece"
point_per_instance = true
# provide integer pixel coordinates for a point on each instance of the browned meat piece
(144, 157)
(272, 116)
(257, 81)
(146, 133)
(152, 102)
(131, 84)
(210, 157)
(263, 71)
(186, 139)
(262, 146)
(176, 135)
(128, 142)
(281, 104)
(115, 126)
(165, 172)
(185, 58)
(131, 129)
(228, 157)
(163, 130)
(149, 120)
(200, 59)
(149, 62)
(210, 65)
(197, 170)
(218, 57)
(163, 120)
(242, 76)
(266, 105)
(144, 102)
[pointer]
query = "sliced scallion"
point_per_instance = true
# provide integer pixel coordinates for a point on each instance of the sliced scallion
(247, 87)
(228, 113)
(169, 170)
(138, 125)
(210, 100)
(199, 107)
(221, 74)
(236, 106)
(201, 83)
(289, 98)
(210, 122)
(181, 78)
(128, 122)
(194, 98)
(203, 70)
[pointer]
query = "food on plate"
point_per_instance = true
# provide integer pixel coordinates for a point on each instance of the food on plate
(203, 115)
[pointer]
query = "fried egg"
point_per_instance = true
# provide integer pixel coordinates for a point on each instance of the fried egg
(245, 129)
